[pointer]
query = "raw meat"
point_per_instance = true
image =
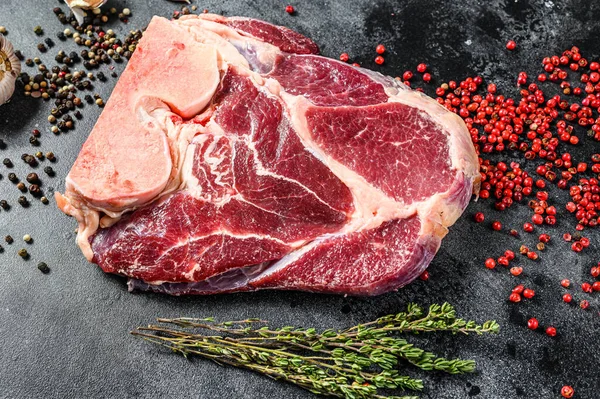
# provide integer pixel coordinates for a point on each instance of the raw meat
(232, 157)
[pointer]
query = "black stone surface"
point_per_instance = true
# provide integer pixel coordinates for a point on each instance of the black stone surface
(65, 334)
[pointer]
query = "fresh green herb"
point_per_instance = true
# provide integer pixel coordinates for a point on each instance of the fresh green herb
(354, 363)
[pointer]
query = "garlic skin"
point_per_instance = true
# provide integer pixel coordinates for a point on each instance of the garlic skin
(77, 6)
(10, 68)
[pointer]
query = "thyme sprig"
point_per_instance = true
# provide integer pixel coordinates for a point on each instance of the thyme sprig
(355, 363)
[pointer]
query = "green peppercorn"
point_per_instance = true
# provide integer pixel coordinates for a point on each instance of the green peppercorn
(43, 267)
(44, 200)
(39, 155)
(23, 253)
(38, 30)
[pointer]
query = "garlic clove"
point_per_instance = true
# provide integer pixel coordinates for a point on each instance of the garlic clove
(10, 68)
(77, 6)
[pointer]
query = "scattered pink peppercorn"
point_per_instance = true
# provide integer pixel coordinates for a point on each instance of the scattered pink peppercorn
(595, 271)
(514, 297)
(565, 283)
(407, 75)
(490, 263)
(516, 270)
(528, 227)
(545, 238)
(511, 45)
(596, 286)
(528, 293)
(567, 298)
(426, 77)
(586, 287)
(424, 276)
(551, 331)
(379, 60)
(518, 289)
(290, 9)
(380, 49)
(510, 255)
(479, 217)
(584, 304)
(496, 225)
(344, 57)
(421, 68)
(567, 391)
(532, 323)
(537, 218)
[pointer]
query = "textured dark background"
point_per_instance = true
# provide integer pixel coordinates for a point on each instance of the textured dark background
(66, 334)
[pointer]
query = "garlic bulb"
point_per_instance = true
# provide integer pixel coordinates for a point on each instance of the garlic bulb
(10, 68)
(77, 6)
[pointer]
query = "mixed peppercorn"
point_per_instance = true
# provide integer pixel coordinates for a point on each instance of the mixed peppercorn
(66, 87)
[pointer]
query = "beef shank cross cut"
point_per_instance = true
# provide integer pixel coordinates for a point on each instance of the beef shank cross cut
(232, 157)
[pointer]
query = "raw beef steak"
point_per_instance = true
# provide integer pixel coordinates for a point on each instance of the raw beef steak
(232, 157)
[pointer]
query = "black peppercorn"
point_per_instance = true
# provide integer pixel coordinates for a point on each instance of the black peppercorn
(33, 178)
(43, 267)
(8, 239)
(2, 144)
(34, 141)
(23, 202)
(4, 205)
(30, 160)
(13, 178)
(8, 163)
(35, 190)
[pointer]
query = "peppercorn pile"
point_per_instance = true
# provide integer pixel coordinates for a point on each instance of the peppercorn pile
(552, 113)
